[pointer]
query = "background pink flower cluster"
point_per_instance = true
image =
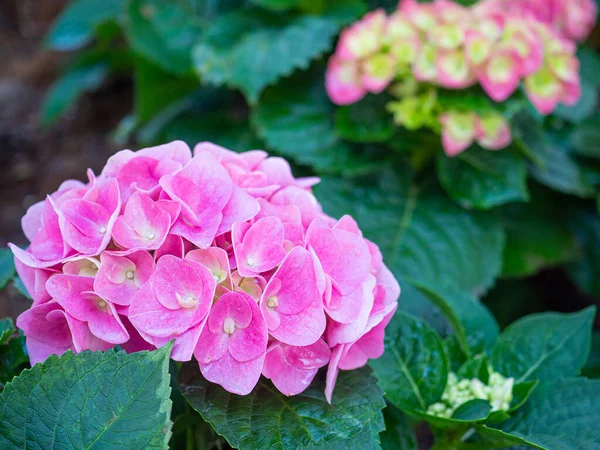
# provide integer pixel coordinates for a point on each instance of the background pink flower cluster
(496, 44)
(456, 47)
(226, 254)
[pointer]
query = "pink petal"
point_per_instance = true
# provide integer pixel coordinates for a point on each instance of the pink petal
(292, 369)
(342, 81)
(343, 333)
(240, 207)
(234, 376)
(344, 256)
(180, 284)
(120, 277)
(261, 248)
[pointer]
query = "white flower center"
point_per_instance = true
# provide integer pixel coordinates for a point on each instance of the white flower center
(229, 325)
(150, 236)
(129, 274)
(272, 301)
(102, 230)
(102, 304)
(187, 302)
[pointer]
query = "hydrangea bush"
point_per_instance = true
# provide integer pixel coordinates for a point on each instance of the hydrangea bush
(211, 299)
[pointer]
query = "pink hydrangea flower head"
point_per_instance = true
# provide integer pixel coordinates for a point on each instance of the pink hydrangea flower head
(458, 132)
(292, 368)
(228, 255)
(492, 131)
(234, 343)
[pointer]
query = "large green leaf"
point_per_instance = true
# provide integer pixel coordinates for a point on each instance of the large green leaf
(475, 328)
(592, 365)
(584, 139)
(482, 179)
(537, 236)
(163, 32)
(544, 346)
(220, 128)
(250, 49)
(99, 400)
(413, 371)
(366, 120)
(7, 266)
(76, 25)
(398, 434)
(425, 238)
(296, 119)
(267, 419)
(155, 89)
(562, 414)
(586, 227)
(562, 172)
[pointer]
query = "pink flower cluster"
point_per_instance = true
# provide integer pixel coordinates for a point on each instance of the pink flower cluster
(227, 254)
(572, 19)
(459, 130)
(454, 47)
(445, 45)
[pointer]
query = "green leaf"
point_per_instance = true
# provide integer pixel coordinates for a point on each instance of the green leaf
(89, 400)
(251, 49)
(295, 118)
(155, 89)
(521, 393)
(76, 25)
(220, 128)
(413, 370)
(482, 179)
(13, 359)
(592, 366)
(7, 328)
(528, 135)
(473, 410)
(475, 328)
(544, 346)
(537, 236)
(163, 32)
(562, 172)
(585, 138)
(366, 120)
(494, 438)
(584, 108)
(266, 419)
(475, 368)
(425, 238)
(276, 5)
(586, 227)
(7, 266)
(398, 433)
(563, 414)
